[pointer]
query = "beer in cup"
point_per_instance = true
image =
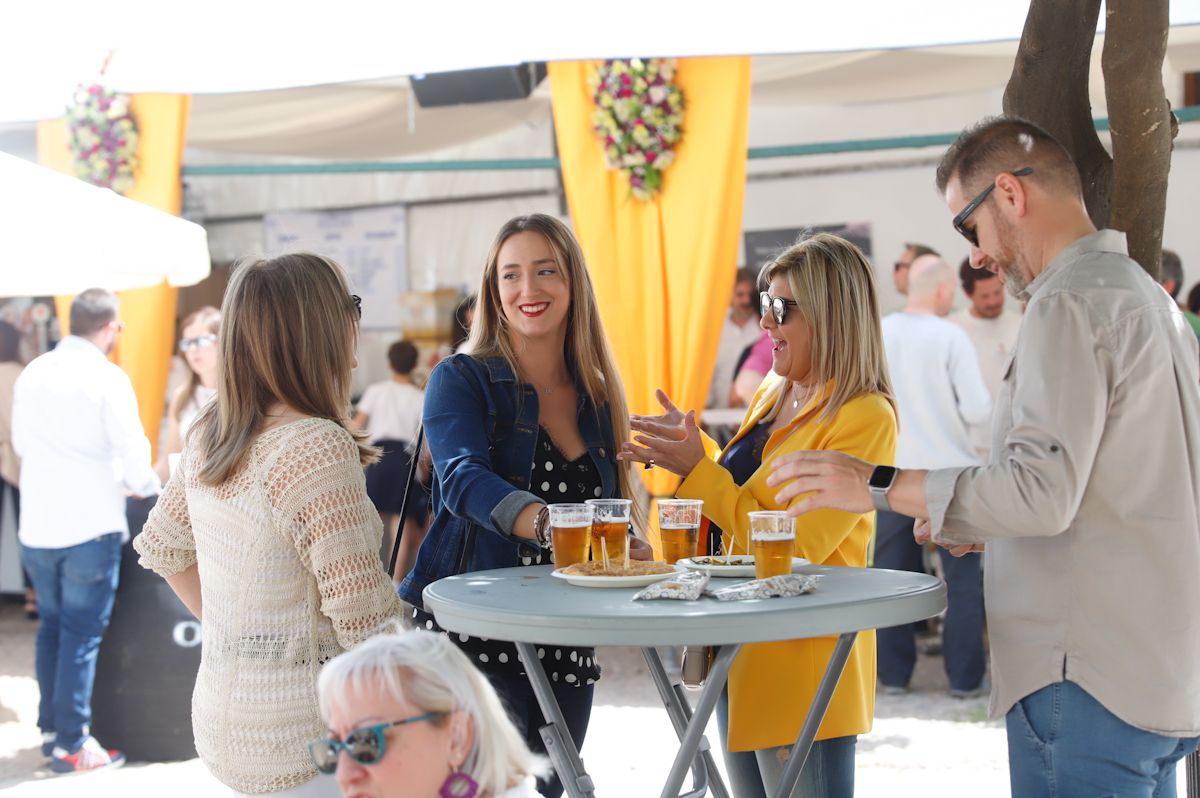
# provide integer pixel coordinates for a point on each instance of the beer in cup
(610, 525)
(679, 525)
(773, 541)
(570, 527)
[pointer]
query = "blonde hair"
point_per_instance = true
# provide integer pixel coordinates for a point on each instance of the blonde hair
(834, 286)
(586, 348)
(427, 670)
(289, 329)
(210, 317)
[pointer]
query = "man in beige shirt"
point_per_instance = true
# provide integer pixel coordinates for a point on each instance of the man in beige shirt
(1090, 507)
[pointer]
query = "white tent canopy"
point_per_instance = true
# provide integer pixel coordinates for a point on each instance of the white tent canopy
(233, 46)
(61, 235)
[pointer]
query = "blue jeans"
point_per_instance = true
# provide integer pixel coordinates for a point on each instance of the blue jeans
(828, 772)
(962, 635)
(1063, 743)
(75, 588)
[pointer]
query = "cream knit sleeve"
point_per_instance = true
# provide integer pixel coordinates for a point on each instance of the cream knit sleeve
(166, 544)
(319, 494)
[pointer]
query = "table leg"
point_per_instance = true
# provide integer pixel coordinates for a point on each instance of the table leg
(816, 713)
(704, 769)
(690, 742)
(559, 745)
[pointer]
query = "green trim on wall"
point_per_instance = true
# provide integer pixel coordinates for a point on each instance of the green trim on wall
(1187, 114)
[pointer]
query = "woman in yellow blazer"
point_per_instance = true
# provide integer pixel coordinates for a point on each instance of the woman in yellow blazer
(829, 390)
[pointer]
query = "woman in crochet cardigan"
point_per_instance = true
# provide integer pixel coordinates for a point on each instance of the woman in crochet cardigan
(265, 530)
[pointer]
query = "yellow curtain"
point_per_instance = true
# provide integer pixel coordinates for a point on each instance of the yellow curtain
(145, 348)
(663, 269)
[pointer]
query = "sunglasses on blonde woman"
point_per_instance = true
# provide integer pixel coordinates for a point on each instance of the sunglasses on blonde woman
(776, 305)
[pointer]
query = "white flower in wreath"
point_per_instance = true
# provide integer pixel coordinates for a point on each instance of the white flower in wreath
(119, 107)
(658, 94)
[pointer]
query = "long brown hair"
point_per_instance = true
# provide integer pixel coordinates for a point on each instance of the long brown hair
(288, 334)
(834, 285)
(210, 317)
(586, 348)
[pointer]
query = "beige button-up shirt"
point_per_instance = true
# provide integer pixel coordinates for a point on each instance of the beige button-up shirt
(1090, 506)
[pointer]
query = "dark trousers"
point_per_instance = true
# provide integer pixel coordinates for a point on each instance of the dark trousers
(517, 696)
(962, 642)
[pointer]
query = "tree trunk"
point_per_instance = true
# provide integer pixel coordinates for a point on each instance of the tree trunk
(1141, 124)
(1049, 87)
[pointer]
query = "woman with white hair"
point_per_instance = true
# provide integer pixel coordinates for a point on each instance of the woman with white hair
(415, 718)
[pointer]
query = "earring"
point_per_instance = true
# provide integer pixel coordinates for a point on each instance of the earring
(459, 785)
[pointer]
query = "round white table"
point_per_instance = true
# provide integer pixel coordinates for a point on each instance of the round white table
(528, 606)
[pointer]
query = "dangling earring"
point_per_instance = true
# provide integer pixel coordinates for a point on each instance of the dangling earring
(459, 785)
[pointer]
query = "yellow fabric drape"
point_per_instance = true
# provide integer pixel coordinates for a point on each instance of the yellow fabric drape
(663, 270)
(144, 349)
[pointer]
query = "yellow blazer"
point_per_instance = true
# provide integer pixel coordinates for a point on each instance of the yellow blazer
(772, 685)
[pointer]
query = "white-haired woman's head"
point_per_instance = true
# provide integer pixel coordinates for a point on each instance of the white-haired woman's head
(409, 711)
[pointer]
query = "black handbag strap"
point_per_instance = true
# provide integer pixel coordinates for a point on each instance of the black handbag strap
(412, 475)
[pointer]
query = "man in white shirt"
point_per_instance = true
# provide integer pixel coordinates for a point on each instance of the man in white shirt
(993, 330)
(739, 331)
(939, 392)
(75, 425)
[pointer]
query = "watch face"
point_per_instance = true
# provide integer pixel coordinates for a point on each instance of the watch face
(882, 477)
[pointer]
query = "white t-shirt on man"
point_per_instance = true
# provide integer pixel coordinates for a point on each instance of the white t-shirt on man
(994, 340)
(393, 410)
(939, 390)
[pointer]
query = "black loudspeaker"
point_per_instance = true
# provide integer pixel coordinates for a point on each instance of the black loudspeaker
(477, 85)
(142, 699)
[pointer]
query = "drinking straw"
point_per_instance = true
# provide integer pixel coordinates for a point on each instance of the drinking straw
(604, 551)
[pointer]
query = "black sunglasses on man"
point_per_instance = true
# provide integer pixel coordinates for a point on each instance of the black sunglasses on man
(968, 232)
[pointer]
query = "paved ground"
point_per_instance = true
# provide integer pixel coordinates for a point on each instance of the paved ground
(924, 744)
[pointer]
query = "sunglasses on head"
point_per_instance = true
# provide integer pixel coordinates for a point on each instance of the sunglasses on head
(776, 305)
(365, 745)
(199, 342)
(959, 220)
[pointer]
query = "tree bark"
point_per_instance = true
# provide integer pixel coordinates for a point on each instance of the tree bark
(1049, 87)
(1141, 124)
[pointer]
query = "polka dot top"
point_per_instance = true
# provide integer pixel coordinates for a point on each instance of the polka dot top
(555, 479)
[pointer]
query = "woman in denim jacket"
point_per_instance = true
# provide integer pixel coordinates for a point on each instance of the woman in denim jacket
(533, 413)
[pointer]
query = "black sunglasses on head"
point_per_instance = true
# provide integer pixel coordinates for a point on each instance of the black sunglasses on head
(968, 232)
(776, 305)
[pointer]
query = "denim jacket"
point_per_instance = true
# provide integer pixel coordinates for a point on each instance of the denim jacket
(482, 429)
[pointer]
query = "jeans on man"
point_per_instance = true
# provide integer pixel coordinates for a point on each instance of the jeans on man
(962, 646)
(1063, 743)
(75, 586)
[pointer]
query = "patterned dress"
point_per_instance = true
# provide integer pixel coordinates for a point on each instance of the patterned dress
(555, 480)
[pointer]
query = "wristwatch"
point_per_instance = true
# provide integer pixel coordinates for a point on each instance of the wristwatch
(881, 481)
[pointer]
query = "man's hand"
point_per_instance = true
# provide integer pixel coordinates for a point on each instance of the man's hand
(832, 480)
(923, 532)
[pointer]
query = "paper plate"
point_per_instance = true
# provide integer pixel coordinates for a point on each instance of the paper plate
(743, 569)
(612, 581)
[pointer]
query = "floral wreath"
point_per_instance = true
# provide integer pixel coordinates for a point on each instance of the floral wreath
(103, 137)
(639, 118)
